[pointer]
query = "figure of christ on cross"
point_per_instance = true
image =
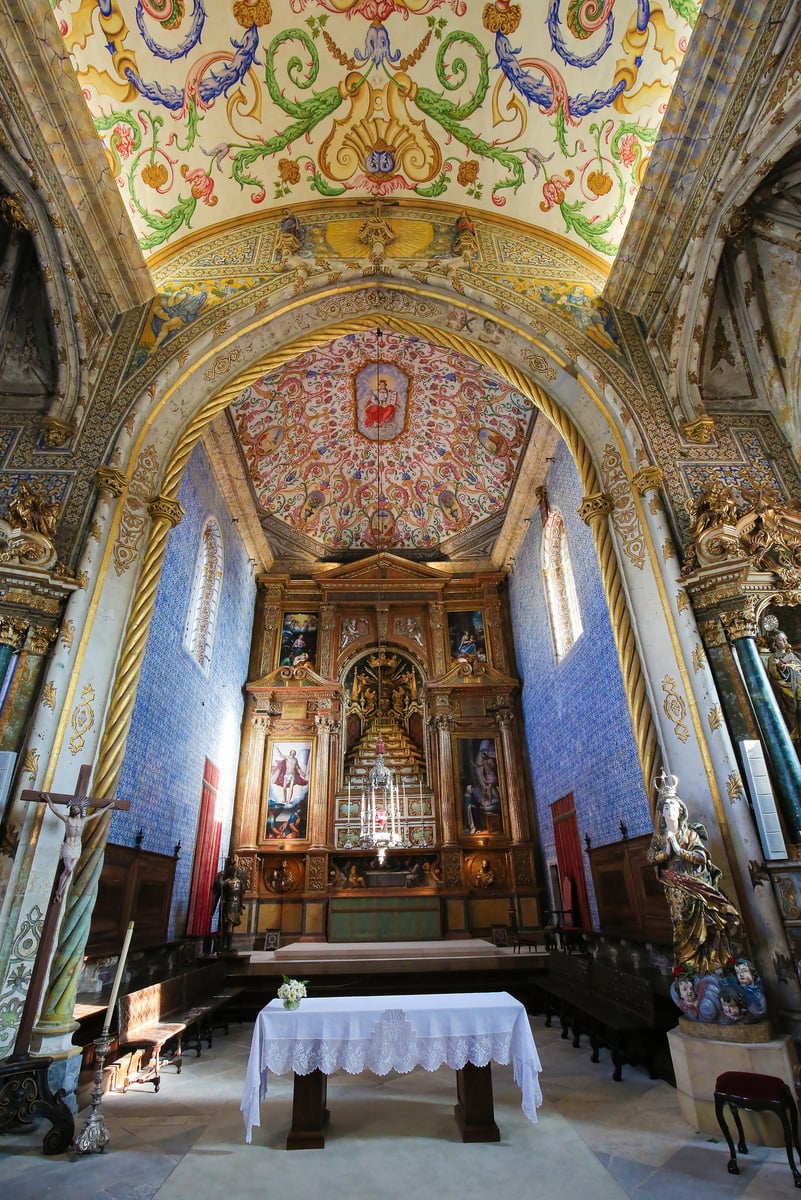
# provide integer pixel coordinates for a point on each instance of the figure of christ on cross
(74, 823)
(75, 820)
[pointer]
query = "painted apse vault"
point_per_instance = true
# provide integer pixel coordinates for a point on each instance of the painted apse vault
(451, 435)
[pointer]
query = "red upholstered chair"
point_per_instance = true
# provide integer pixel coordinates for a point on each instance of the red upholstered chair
(756, 1093)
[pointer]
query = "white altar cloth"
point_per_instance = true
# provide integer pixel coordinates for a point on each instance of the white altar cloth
(391, 1033)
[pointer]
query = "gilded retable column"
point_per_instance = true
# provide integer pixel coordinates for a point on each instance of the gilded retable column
(245, 833)
(443, 725)
(318, 817)
(517, 802)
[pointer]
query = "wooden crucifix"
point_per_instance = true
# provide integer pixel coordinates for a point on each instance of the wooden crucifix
(74, 819)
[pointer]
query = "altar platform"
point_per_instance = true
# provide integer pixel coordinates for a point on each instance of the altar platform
(379, 957)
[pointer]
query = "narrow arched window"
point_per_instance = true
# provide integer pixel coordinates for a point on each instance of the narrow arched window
(205, 596)
(560, 588)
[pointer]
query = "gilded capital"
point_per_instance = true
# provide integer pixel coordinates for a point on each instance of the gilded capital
(712, 632)
(596, 507)
(165, 508)
(699, 431)
(56, 433)
(648, 479)
(40, 638)
(740, 624)
(12, 631)
(111, 480)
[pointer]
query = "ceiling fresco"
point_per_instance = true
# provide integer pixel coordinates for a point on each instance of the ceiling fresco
(384, 442)
(546, 113)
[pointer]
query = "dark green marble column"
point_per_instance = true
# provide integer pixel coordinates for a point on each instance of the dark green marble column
(786, 768)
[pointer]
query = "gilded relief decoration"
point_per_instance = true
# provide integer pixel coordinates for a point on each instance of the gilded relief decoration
(675, 709)
(82, 719)
(624, 514)
(135, 513)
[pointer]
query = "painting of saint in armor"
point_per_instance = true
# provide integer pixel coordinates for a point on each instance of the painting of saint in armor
(466, 634)
(298, 640)
(288, 790)
(479, 785)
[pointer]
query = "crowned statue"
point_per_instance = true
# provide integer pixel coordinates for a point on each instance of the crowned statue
(713, 982)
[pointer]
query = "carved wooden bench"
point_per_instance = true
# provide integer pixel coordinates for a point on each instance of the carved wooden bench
(148, 1020)
(613, 1008)
(158, 1022)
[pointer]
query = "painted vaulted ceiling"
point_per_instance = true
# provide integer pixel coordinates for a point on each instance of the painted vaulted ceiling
(544, 110)
(382, 441)
(215, 117)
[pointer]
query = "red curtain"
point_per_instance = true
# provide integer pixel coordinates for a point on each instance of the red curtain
(569, 857)
(207, 854)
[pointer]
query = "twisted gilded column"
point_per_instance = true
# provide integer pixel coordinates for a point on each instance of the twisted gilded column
(59, 1002)
(594, 511)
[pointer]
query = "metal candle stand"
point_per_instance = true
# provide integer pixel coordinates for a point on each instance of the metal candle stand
(95, 1134)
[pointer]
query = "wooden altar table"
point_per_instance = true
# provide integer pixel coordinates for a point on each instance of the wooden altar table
(466, 1031)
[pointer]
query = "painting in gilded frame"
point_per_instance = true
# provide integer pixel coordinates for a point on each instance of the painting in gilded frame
(287, 787)
(466, 635)
(298, 640)
(479, 785)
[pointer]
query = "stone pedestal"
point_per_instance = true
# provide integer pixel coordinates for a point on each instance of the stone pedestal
(699, 1058)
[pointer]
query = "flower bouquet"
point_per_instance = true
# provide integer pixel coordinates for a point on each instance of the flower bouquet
(292, 991)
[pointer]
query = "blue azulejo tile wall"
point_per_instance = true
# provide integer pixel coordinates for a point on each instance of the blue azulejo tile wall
(577, 725)
(182, 713)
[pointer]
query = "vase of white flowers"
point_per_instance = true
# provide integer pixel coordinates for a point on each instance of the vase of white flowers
(292, 991)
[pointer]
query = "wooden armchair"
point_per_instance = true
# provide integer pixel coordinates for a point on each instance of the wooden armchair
(519, 939)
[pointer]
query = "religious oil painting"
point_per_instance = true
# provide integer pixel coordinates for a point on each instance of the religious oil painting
(298, 640)
(466, 634)
(288, 790)
(381, 394)
(479, 785)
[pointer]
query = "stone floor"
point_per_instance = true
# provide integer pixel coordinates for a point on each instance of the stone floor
(395, 1138)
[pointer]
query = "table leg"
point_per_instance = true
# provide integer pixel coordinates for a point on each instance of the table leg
(309, 1114)
(475, 1112)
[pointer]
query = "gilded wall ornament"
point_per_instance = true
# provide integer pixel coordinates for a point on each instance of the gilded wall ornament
(30, 764)
(221, 366)
(82, 719)
(624, 513)
(715, 718)
(675, 708)
(134, 515)
(67, 633)
(698, 657)
(734, 786)
(49, 695)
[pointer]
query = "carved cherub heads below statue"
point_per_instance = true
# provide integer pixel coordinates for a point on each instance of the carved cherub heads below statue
(706, 926)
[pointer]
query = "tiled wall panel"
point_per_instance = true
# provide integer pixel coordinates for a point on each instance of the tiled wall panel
(182, 714)
(577, 724)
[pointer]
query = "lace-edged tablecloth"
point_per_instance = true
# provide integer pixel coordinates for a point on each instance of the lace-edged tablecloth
(391, 1033)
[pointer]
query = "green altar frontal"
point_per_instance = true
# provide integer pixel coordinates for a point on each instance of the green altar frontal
(384, 919)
